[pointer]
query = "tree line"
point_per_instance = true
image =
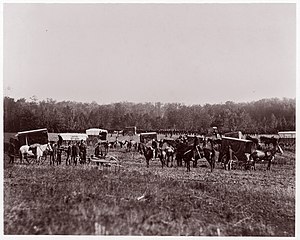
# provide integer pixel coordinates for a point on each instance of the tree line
(263, 116)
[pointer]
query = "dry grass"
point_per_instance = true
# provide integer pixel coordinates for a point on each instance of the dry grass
(153, 201)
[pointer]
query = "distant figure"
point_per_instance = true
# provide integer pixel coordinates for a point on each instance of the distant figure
(59, 153)
(229, 157)
(106, 147)
(97, 151)
(11, 152)
(69, 154)
(75, 153)
(195, 144)
(154, 146)
(53, 154)
(82, 152)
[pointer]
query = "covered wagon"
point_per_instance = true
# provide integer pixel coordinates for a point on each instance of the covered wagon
(240, 150)
(131, 131)
(147, 137)
(66, 138)
(37, 136)
(96, 135)
(287, 140)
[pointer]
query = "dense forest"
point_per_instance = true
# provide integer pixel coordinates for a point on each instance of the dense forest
(263, 116)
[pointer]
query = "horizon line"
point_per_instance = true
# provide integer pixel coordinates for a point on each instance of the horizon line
(35, 99)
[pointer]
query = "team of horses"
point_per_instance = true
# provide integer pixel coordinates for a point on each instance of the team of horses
(36, 151)
(208, 149)
(182, 150)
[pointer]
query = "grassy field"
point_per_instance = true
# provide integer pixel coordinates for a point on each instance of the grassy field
(85, 200)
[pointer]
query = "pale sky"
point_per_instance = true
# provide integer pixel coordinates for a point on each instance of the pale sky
(187, 53)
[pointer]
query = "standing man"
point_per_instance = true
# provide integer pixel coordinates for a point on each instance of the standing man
(11, 151)
(59, 152)
(69, 154)
(97, 151)
(195, 144)
(154, 146)
(229, 157)
(82, 151)
(52, 154)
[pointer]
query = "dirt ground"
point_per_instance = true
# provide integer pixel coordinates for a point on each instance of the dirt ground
(135, 200)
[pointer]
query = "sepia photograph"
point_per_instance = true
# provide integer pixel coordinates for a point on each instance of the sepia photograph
(149, 119)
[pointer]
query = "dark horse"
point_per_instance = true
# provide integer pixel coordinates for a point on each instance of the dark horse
(210, 156)
(194, 154)
(255, 142)
(266, 155)
(149, 154)
(209, 153)
(181, 148)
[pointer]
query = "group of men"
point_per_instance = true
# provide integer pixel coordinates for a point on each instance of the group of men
(76, 153)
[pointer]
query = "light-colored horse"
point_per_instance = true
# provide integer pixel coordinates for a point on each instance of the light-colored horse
(40, 149)
(25, 152)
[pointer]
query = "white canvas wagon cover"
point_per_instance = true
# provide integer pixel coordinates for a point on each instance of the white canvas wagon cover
(33, 136)
(73, 136)
(95, 131)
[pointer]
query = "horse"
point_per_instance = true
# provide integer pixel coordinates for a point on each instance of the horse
(210, 156)
(161, 154)
(188, 157)
(135, 145)
(149, 154)
(140, 148)
(255, 141)
(169, 146)
(170, 151)
(24, 152)
(181, 148)
(267, 155)
(185, 152)
(269, 140)
(195, 153)
(128, 145)
(41, 151)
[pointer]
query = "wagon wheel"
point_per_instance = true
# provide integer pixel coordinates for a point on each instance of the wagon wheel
(31, 160)
(234, 162)
(43, 159)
